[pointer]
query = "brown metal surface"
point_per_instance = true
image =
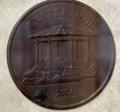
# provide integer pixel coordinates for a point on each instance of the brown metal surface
(61, 54)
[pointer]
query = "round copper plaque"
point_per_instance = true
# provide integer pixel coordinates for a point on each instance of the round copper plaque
(61, 54)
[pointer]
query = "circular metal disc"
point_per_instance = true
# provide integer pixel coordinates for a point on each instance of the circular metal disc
(61, 54)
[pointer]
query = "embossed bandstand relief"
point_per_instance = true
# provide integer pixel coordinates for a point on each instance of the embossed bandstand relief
(63, 54)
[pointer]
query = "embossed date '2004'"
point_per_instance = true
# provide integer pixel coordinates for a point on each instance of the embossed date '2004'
(64, 92)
